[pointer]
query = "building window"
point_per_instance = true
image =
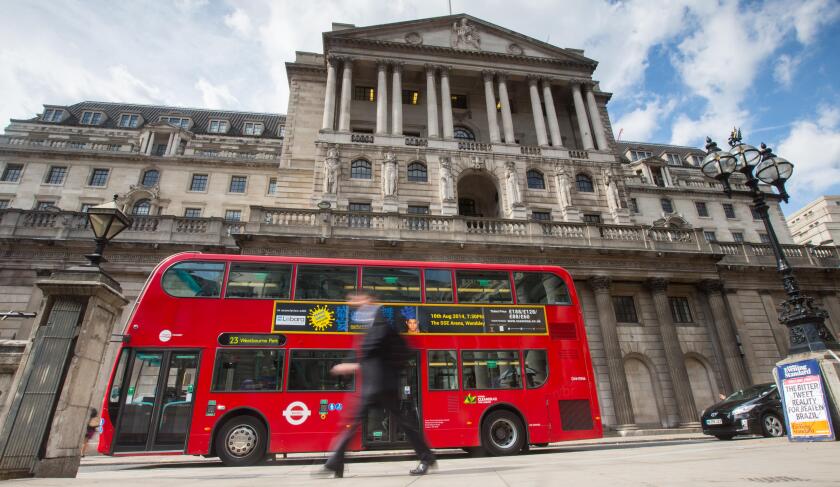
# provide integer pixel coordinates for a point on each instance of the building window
(634, 205)
(593, 218)
(176, 121)
(199, 182)
(252, 128)
(192, 212)
(142, 207)
(56, 175)
(150, 178)
(680, 310)
(463, 133)
(129, 121)
(466, 207)
(360, 207)
(11, 173)
(541, 216)
(237, 184)
(535, 179)
(4, 204)
(281, 131)
(738, 237)
(755, 214)
(91, 118)
(272, 186)
(360, 169)
(233, 215)
(702, 209)
(218, 127)
(710, 236)
(417, 172)
(674, 159)
(410, 97)
(98, 177)
(584, 183)
(625, 309)
(729, 210)
(86, 206)
(364, 93)
(765, 239)
(459, 101)
(160, 150)
(44, 205)
(636, 155)
(667, 205)
(418, 210)
(658, 178)
(53, 115)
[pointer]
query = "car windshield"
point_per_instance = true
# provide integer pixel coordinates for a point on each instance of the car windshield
(751, 392)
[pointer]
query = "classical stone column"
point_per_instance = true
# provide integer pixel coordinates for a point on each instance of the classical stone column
(382, 97)
(597, 123)
(490, 102)
(612, 349)
(726, 335)
(169, 144)
(346, 96)
(673, 353)
(507, 119)
(551, 114)
(536, 109)
(583, 121)
(328, 123)
(431, 101)
(396, 100)
(446, 104)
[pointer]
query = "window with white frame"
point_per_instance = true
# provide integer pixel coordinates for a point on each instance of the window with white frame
(728, 210)
(710, 236)
(4, 204)
(129, 121)
(634, 205)
(11, 173)
(702, 208)
(253, 128)
(192, 212)
(43, 205)
(238, 184)
(182, 122)
(91, 118)
(281, 131)
(765, 239)
(541, 216)
(667, 205)
(738, 237)
(233, 215)
(673, 159)
(272, 186)
(98, 177)
(218, 126)
(56, 175)
(53, 115)
(636, 155)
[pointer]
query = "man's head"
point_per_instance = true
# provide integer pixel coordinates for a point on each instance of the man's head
(358, 298)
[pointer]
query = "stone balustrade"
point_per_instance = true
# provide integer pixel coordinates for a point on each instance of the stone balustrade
(50, 225)
(62, 144)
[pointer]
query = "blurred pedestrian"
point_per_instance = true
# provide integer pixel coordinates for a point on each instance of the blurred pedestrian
(92, 426)
(382, 355)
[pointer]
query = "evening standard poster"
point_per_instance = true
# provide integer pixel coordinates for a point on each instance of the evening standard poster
(803, 397)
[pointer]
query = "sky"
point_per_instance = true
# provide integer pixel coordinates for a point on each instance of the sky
(679, 70)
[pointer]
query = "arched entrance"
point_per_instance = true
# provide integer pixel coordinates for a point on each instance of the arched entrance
(478, 196)
(642, 392)
(701, 385)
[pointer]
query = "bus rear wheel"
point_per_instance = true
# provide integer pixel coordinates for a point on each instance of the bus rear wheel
(241, 441)
(502, 433)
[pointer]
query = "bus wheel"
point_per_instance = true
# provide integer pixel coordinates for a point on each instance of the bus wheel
(502, 433)
(241, 442)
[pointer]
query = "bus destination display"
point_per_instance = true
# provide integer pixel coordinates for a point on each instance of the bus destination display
(326, 317)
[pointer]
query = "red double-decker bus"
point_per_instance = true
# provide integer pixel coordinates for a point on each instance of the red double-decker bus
(230, 356)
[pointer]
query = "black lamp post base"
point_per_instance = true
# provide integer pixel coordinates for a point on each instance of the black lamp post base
(806, 324)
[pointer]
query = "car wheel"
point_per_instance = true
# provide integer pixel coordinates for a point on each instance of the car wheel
(724, 437)
(772, 426)
(241, 442)
(502, 433)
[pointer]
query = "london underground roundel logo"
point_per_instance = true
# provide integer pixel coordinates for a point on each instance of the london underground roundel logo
(296, 413)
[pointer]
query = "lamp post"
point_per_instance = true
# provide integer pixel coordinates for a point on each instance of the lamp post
(804, 320)
(107, 221)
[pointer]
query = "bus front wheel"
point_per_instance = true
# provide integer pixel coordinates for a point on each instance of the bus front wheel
(502, 433)
(241, 441)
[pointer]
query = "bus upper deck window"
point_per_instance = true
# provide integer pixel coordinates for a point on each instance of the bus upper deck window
(259, 281)
(329, 283)
(540, 288)
(483, 287)
(194, 279)
(391, 284)
(439, 286)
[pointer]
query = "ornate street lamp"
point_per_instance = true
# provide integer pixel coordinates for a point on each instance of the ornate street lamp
(805, 322)
(107, 221)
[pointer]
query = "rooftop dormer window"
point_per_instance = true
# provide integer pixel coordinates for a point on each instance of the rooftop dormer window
(673, 159)
(91, 118)
(53, 115)
(218, 126)
(253, 128)
(182, 122)
(281, 131)
(129, 121)
(637, 155)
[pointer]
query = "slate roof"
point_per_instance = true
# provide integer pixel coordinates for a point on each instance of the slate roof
(152, 113)
(657, 149)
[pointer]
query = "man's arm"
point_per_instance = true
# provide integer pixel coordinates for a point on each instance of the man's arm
(345, 369)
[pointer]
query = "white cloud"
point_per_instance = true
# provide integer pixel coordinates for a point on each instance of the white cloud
(813, 146)
(239, 21)
(784, 70)
(215, 96)
(641, 123)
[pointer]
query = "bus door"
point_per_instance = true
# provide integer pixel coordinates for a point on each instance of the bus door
(155, 402)
(381, 429)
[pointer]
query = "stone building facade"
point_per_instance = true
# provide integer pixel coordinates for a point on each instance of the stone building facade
(445, 139)
(817, 223)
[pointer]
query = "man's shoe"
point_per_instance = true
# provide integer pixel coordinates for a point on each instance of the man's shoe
(423, 468)
(327, 472)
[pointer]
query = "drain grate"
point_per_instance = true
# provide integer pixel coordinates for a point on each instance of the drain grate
(775, 480)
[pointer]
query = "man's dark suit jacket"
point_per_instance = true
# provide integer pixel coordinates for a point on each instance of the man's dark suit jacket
(383, 354)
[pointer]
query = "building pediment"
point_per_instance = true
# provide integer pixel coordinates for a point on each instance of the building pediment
(456, 32)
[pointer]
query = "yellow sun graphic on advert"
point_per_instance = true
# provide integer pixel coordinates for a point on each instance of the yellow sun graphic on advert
(321, 317)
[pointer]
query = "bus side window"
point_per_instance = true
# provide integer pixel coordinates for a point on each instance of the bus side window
(540, 288)
(483, 287)
(491, 369)
(193, 279)
(328, 283)
(443, 370)
(248, 370)
(260, 281)
(392, 285)
(309, 370)
(536, 368)
(439, 286)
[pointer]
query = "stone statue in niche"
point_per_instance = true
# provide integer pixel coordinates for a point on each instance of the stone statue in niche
(389, 175)
(514, 196)
(447, 181)
(613, 196)
(331, 166)
(465, 35)
(564, 195)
